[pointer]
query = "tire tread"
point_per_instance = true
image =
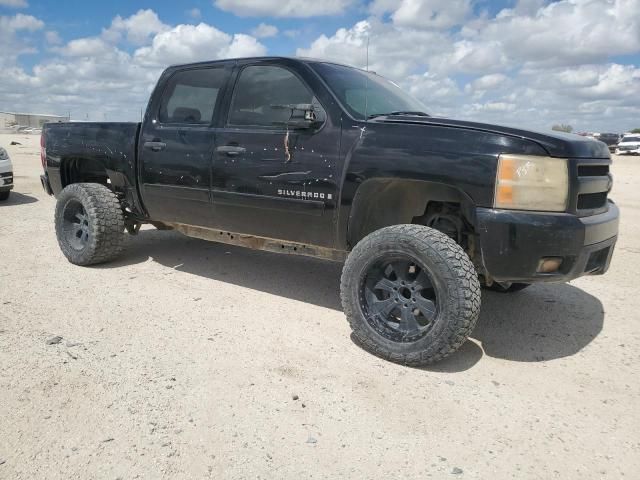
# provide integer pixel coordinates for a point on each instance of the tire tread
(462, 285)
(106, 219)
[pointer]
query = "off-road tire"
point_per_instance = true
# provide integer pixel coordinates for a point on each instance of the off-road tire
(4, 196)
(514, 287)
(104, 219)
(448, 265)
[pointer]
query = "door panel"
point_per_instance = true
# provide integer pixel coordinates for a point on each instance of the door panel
(177, 147)
(268, 179)
(176, 184)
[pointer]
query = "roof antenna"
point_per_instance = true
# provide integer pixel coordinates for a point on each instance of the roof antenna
(367, 51)
(366, 84)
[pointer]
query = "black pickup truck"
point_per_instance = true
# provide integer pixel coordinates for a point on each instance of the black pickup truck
(314, 158)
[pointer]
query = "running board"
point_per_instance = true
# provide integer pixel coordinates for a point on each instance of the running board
(259, 243)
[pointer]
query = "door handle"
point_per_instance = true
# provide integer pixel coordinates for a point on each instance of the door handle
(155, 146)
(231, 150)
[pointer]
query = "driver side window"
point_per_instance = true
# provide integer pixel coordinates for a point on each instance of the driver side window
(260, 90)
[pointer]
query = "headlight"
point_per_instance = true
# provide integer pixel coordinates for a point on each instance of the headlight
(527, 182)
(3, 154)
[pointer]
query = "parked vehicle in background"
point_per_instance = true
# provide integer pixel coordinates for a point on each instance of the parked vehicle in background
(610, 139)
(629, 145)
(6, 175)
(314, 158)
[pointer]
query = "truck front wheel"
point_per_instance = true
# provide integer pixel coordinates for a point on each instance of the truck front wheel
(89, 224)
(410, 293)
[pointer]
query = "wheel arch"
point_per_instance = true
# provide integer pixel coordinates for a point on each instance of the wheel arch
(89, 170)
(382, 202)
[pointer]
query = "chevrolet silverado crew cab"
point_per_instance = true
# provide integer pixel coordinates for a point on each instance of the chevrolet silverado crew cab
(314, 158)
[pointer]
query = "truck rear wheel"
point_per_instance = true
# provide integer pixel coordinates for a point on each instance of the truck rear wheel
(410, 294)
(89, 224)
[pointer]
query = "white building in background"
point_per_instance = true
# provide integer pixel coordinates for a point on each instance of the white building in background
(13, 120)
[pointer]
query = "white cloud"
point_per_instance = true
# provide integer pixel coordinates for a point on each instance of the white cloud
(52, 37)
(494, 106)
(471, 57)
(487, 82)
(533, 64)
(95, 78)
(20, 22)
(138, 28)
(14, 3)
(481, 85)
(528, 7)
(440, 92)
(424, 14)
(11, 47)
(291, 33)
(85, 47)
(243, 46)
(567, 32)
(611, 82)
(191, 43)
(265, 30)
(283, 8)
(393, 51)
(563, 33)
(194, 13)
(109, 86)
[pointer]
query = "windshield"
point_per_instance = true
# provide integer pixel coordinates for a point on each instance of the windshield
(365, 94)
(631, 139)
(608, 137)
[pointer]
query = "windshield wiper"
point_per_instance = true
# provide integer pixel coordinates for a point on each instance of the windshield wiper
(400, 112)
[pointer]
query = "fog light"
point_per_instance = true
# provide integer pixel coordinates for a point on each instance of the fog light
(549, 264)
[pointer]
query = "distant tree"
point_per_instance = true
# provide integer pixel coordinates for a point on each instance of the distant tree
(635, 130)
(562, 128)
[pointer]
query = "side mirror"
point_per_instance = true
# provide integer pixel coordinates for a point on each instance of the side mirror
(302, 115)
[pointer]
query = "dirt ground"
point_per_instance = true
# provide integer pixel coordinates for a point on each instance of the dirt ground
(188, 359)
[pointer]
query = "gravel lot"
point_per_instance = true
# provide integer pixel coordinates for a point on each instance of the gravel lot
(189, 359)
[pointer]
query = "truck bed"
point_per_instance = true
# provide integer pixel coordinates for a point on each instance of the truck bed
(110, 144)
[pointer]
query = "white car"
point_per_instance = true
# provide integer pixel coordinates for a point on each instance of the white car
(629, 145)
(6, 175)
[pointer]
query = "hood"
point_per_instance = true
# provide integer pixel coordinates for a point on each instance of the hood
(557, 144)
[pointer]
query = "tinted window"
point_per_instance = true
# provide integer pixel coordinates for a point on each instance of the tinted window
(365, 93)
(191, 96)
(261, 90)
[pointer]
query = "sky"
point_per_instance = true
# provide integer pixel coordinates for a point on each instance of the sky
(528, 63)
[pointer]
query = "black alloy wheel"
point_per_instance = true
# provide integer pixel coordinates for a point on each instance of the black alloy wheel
(400, 300)
(75, 225)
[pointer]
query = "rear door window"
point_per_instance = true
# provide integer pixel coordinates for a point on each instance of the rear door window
(191, 96)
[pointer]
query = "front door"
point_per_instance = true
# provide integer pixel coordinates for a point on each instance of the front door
(177, 143)
(270, 179)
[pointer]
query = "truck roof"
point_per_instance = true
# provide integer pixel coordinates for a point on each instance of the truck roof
(270, 57)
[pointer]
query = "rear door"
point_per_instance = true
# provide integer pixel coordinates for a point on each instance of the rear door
(177, 142)
(270, 179)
